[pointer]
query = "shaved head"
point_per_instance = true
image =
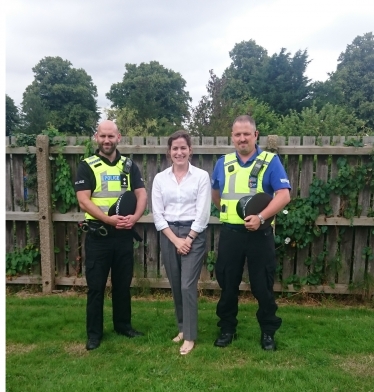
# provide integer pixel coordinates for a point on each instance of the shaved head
(107, 125)
(107, 138)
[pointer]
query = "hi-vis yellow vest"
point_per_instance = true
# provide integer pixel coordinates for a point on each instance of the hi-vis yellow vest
(108, 183)
(237, 185)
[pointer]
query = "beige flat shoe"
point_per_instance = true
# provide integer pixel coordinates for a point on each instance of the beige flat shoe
(178, 338)
(187, 348)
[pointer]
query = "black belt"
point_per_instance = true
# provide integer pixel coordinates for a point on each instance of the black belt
(236, 228)
(102, 229)
(181, 223)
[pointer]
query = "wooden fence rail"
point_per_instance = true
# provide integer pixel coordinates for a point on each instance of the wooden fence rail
(31, 219)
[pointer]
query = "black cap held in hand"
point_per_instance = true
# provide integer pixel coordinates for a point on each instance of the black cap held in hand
(125, 205)
(253, 205)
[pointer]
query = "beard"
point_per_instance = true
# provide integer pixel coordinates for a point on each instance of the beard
(244, 148)
(107, 149)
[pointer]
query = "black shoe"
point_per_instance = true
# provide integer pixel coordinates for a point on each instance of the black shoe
(130, 333)
(224, 339)
(92, 344)
(267, 342)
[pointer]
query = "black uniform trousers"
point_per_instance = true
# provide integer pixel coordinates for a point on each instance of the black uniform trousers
(259, 248)
(114, 252)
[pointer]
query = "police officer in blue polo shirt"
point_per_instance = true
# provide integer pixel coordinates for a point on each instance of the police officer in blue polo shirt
(247, 170)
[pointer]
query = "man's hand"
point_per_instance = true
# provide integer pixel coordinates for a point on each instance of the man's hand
(115, 220)
(125, 222)
(252, 222)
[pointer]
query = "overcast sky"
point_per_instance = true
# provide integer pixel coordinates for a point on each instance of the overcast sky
(189, 37)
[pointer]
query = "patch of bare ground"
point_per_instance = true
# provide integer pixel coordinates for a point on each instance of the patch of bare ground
(361, 365)
(286, 299)
(76, 349)
(19, 348)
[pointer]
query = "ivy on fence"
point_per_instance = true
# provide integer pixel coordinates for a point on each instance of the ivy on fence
(296, 227)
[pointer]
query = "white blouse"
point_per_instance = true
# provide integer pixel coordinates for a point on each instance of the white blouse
(190, 200)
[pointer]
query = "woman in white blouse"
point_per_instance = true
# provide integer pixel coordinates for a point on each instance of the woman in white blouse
(181, 199)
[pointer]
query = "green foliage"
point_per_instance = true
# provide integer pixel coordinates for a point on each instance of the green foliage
(352, 84)
(330, 120)
(12, 118)
(267, 121)
(63, 194)
(214, 114)
(89, 148)
(35, 114)
(154, 92)
(61, 95)
(21, 260)
(353, 143)
(210, 117)
(29, 164)
(278, 81)
(129, 123)
(276, 93)
(246, 70)
(211, 260)
(355, 76)
(296, 228)
(214, 211)
(284, 85)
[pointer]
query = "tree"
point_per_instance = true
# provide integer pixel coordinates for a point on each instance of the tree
(11, 116)
(352, 84)
(127, 121)
(154, 92)
(355, 76)
(245, 71)
(210, 116)
(283, 84)
(63, 96)
(278, 80)
(214, 114)
(35, 115)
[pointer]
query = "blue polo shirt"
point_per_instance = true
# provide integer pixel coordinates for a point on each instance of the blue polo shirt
(275, 176)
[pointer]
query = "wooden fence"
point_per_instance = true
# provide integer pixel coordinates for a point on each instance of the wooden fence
(30, 217)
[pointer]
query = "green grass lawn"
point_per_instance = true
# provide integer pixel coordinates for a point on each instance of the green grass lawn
(326, 347)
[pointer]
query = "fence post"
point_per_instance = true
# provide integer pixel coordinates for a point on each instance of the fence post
(272, 143)
(45, 214)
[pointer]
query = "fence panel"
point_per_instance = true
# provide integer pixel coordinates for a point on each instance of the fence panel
(293, 172)
(346, 247)
(306, 178)
(151, 244)
(60, 249)
(140, 262)
(322, 171)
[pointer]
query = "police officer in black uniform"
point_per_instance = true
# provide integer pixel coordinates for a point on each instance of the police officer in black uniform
(101, 179)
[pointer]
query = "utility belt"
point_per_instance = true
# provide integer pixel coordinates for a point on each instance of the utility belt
(101, 229)
(234, 227)
(241, 229)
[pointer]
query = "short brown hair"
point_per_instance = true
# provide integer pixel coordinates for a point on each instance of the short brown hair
(245, 119)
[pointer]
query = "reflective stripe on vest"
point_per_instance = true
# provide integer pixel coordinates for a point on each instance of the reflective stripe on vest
(238, 184)
(108, 183)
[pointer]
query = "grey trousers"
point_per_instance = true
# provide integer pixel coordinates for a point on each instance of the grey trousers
(183, 272)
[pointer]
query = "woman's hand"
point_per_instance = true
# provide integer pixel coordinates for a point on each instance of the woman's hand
(183, 246)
